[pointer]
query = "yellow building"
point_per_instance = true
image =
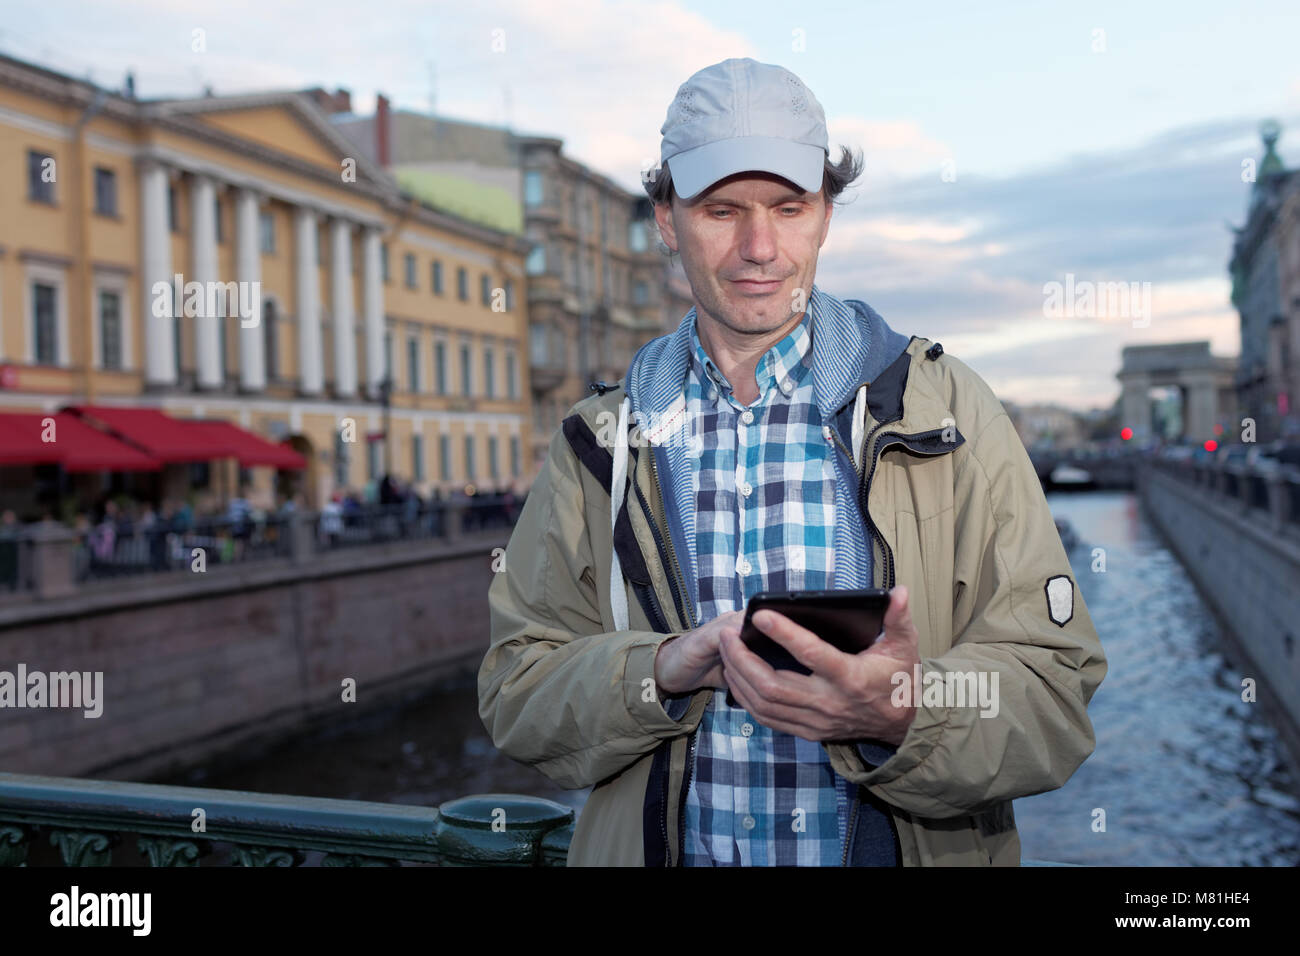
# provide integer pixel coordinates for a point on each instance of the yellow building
(236, 258)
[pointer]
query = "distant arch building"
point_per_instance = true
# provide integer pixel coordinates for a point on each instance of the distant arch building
(1205, 383)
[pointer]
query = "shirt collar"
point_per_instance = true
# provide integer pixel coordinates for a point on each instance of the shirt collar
(788, 358)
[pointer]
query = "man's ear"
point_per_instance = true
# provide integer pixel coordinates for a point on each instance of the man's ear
(664, 219)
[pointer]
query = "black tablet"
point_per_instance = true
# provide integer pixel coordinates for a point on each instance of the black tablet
(848, 620)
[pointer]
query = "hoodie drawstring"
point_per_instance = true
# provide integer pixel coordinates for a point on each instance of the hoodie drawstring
(617, 593)
(859, 424)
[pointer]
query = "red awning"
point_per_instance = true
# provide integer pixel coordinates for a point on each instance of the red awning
(249, 448)
(181, 440)
(76, 445)
(159, 436)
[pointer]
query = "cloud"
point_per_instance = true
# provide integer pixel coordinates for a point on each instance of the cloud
(967, 261)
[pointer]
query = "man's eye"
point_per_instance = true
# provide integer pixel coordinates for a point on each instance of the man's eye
(723, 211)
(794, 209)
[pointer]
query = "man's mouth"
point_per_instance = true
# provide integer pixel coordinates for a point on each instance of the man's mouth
(758, 285)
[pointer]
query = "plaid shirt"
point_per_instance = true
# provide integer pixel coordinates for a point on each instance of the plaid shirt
(764, 492)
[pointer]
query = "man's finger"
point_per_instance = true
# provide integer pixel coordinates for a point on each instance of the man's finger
(806, 647)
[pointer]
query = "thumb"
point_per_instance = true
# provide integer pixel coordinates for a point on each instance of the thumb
(898, 626)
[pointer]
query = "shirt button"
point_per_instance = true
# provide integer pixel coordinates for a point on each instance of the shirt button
(748, 822)
(743, 566)
(826, 432)
(786, 386)
(713, 394)
(747, 729)
(747, 417)
(746, 489)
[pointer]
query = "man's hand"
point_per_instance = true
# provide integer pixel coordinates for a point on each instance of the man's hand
(846, 697)
(691, 661)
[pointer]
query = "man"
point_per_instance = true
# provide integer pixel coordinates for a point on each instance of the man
(782, 439)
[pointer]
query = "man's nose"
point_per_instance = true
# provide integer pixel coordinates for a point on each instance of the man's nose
(758, 243)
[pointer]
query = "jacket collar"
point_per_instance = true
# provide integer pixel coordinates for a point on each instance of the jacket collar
(852, 346)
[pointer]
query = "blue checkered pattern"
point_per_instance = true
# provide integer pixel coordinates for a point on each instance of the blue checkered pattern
(765, 502)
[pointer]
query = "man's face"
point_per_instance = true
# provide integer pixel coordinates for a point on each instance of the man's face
(751, 226)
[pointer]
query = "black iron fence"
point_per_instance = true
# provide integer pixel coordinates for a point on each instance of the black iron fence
(113, 550)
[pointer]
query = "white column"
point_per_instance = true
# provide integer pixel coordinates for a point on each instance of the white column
(248, 269)
(207, 328)
(156, 266)
(372, 299)
(345, 351)
(310, 373)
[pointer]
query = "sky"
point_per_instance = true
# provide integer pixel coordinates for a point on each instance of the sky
(1006, 149)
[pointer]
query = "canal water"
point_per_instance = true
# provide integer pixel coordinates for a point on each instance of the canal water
(1184, 772)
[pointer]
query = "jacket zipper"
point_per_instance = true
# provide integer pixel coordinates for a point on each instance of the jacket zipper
(864, 488)
(685, 612)
(853, 804)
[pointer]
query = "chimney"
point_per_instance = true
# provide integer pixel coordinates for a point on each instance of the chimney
(130, 85)
(340, 101)
(383, 151)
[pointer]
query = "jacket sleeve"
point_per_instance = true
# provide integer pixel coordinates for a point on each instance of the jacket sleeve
(964, 759)
(555, 691)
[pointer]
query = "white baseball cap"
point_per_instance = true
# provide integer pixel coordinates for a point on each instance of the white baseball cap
(739, 116)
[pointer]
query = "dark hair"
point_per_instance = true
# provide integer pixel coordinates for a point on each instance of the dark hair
(836, 177)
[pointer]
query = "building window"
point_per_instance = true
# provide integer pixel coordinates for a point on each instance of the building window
(222, 349)
(534, 194)
(110, 329)
(341, 459)
(372, 459)
(514, 456)
(270, 340)
(216, 218)
(440, 366)
(489, 370)
(410, 271)
(640, 293)
(266, 223)
(485, 289)
(444, 457)
(383, 261)
(510, 295)
(178, 339)
(417, 457)
(40, 176)
(636, 235)
(105, 191)
(469, 457)
(535, 264)
(173, 209)
(413, 362)
(465, 371)
(492, 457)
(537, 344)
(45, 322)
(512, 386)
(437, 277)
(462, 284)
(388, 354)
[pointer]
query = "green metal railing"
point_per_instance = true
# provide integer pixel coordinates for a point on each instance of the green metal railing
(89, 820)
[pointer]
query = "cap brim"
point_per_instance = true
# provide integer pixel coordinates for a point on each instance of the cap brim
(697, 169)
